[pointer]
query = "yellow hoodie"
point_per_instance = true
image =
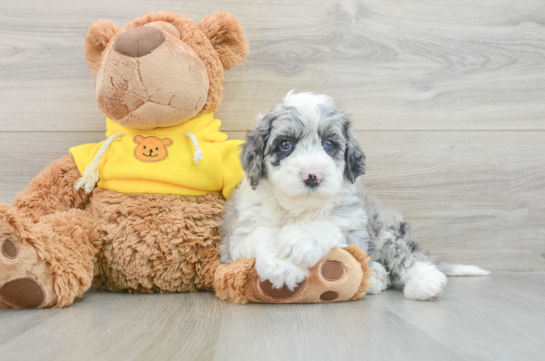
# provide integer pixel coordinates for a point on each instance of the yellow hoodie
(193, 158)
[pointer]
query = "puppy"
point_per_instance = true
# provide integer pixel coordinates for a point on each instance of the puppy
(301, 197)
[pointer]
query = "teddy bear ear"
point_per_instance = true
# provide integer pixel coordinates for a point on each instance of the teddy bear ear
(97, 38)
(226, 35)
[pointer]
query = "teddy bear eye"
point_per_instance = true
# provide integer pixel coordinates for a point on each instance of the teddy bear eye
(144, 147)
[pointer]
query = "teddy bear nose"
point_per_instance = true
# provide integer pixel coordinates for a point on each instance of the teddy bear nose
(140, 41)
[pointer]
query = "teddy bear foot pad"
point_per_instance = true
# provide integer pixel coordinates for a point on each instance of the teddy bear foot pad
(23, 281)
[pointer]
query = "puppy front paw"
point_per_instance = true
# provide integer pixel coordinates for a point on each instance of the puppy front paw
(298, 246)
(280, 273)
(423, 281)
(380, 280)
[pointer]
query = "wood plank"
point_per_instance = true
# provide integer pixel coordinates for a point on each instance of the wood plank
(17, 323)
(473, 197)
(434, 64)
(179, 322)
(482, 318)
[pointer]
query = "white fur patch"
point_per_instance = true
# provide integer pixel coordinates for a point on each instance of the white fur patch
(423, 281)
(462, 270)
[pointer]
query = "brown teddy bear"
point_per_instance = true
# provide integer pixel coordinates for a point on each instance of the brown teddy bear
(140, 212)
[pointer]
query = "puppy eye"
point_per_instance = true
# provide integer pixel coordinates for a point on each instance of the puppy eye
(144, 147)
(156, 148)
(328, 145)
(285, 146)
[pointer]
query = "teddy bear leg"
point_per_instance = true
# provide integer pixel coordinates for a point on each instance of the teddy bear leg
(52, 191)
(46, 264)
(342, 275)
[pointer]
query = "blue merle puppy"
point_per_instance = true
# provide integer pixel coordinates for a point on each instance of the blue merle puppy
(301, 196)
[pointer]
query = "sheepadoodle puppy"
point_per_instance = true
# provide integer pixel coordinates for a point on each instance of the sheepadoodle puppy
(301, 197)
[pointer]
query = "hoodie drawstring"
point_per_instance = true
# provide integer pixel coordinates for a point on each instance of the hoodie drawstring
(90, 175)
(197, 156)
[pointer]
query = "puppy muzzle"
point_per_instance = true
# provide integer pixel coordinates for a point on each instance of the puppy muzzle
(312, 179)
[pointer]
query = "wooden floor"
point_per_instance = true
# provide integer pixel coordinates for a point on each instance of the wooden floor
(499, 317)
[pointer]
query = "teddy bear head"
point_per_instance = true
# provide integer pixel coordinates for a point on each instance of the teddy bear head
(162, 69)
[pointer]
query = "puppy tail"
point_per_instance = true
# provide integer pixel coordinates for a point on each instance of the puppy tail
(461, 270)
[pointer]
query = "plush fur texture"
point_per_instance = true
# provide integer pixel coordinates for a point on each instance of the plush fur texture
(225, 34)
(157, 243)
(301, 197)
(97, 39)
(139, 243)
(64, 240)
(52, 191)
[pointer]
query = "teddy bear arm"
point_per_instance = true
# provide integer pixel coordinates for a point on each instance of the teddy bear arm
(342, 275)
(52, 191)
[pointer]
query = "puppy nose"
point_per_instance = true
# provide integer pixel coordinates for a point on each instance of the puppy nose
(312, 178)
(140, 41)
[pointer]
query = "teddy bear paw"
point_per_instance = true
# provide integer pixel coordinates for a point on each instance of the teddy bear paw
(341, 275)
(23, 283)
(328, 281)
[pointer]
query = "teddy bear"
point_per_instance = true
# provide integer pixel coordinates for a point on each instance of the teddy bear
(140, 212)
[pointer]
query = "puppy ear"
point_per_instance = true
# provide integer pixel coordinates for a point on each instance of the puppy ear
(354, 158)
(97, 38)
(167, 142)
(253, 150)
(138, 139)
(225, 33)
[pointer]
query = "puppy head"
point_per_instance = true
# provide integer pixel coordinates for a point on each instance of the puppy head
(304, 147)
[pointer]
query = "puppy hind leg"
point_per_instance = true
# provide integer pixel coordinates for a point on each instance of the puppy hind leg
(423, 281)
(396, 249)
